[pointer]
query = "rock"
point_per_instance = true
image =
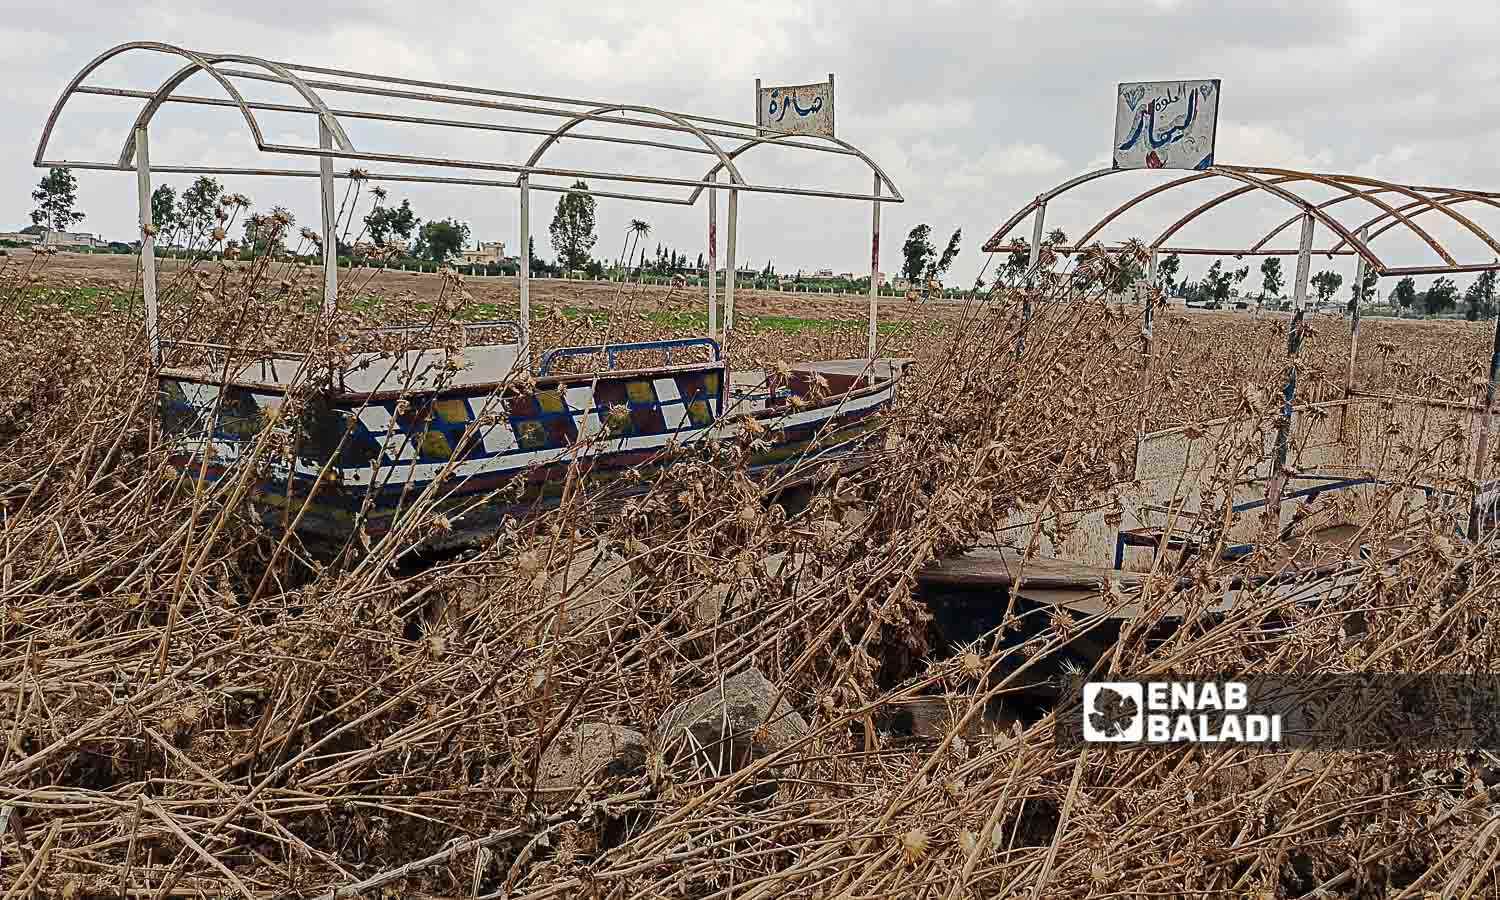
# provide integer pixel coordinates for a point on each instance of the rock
(743, 706)
(588, 750)
(597, 584)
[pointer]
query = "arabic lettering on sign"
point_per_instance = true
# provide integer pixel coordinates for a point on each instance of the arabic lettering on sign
(796, 109)
(1166, 124)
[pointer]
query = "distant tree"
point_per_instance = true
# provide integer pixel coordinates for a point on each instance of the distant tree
(1405, 293)
(1125, 272)
(572, 227)
(1479, 299)
(383, 223)
(442, 239)
(1016, 264)
(700, 262)
(1217, 282)
(266, 234)
(936, 270)
(917, 253)
(638, 228)
(1166, 272)
(1363, 292)
(1271, 280)
(164, 213)
(56, 196)
(198, 207)
(1441, 295)
(1055, 238)
(1327, 283)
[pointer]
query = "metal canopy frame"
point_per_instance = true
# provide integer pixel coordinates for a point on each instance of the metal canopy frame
(1287, 185)
(618, 120)
(1354, 238)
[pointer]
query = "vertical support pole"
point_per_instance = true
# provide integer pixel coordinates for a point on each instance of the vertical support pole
(1150, 298)
(148, 242)
(330, 223)
(1277, 482)
(874, 263)
(525, 276)
(1486, 418)
(713, 258)
(1026, 290)
(1361, 268)
(1146, 335)
(729, 248)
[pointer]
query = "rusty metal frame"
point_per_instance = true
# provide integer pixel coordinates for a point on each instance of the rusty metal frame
(1285, 185)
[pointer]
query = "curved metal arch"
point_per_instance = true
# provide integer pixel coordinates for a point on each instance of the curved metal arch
(592, 114)
(106, 56)
(1138, 199)
(162, 93)
(1333, 224)
(1283, 176)
(1207, 205)
(1332, 201)
(991, 245)
(767, 139)
(1453, 198)
(1345, 180)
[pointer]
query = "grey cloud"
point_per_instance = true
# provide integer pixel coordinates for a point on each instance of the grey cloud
(973, 107)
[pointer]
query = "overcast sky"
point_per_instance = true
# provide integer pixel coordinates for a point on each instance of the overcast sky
(972, 108)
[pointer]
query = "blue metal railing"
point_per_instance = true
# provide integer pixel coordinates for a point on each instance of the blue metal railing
(610, 350)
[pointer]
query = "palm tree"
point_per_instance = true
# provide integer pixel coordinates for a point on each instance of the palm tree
(639, 228)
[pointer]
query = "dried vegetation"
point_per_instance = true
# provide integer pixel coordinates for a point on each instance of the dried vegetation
(695, 698)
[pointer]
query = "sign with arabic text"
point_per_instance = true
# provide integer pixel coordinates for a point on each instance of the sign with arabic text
(795, 109)
(1166, 124)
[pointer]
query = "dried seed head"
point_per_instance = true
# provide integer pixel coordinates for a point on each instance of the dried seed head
(914, 845)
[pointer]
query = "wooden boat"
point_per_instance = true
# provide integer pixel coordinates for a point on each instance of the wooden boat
(483, 443)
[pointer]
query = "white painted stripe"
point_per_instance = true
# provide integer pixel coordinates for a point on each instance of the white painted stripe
(499, 438)
(514, 461)
(673, 411)
(397, 445)
(581, 399)
(202, 395)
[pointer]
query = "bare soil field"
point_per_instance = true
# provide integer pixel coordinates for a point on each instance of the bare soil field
(121, 270)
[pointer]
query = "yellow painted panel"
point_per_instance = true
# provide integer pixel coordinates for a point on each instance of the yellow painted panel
(453, 410)
(640, 391)
(435, 444)
(550, 401)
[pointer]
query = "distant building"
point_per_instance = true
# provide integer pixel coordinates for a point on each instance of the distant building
(60, 239)
(823, 273)
(487, 253)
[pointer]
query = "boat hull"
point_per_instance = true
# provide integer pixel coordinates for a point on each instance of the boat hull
(463, 459)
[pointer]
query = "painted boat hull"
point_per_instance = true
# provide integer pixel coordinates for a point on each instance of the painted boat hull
(355, 464)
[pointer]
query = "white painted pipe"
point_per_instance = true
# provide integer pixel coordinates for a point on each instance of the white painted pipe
(148, 242)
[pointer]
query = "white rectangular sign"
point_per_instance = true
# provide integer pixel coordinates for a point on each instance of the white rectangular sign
(795, 108)
(1166, 124)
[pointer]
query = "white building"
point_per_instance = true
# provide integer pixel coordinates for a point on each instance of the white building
(58, 239)
(487, 253)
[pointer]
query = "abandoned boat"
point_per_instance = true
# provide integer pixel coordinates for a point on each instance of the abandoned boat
(350, 461)
(347, 459)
